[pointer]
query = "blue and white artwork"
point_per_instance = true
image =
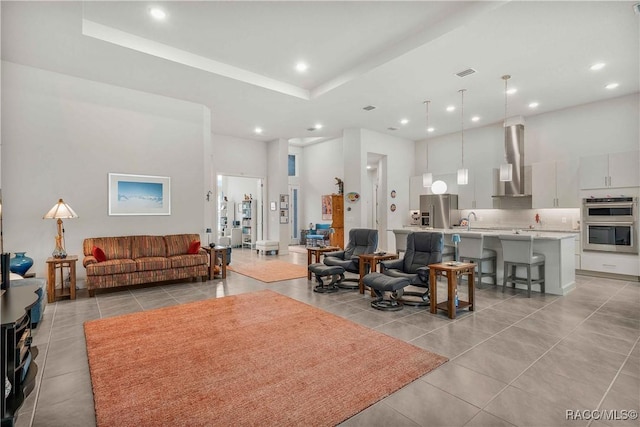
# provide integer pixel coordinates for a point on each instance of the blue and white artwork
(138, 195)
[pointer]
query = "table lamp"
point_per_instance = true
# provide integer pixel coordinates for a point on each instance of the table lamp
(208, 231)
(60, 211)
(455, 238)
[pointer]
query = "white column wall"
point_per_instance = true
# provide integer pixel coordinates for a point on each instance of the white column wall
(277, 183)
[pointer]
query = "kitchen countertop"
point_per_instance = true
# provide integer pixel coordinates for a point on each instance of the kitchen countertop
(558, 247)
(493, 232)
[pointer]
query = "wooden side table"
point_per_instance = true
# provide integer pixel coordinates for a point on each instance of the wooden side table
(215, 253)
(317, 252)
(59, 264)
(452, 270)
(371, 260)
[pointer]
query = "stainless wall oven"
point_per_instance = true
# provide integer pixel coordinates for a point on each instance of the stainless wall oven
(610, 224)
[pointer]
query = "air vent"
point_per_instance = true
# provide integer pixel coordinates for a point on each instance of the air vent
(392, 128)
(311, 129)
(369, 108)
(465, 73)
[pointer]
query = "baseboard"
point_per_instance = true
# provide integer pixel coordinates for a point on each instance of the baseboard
(608, 275)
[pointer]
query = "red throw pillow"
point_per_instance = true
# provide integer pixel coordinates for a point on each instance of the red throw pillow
(194, 247)
(98, 254)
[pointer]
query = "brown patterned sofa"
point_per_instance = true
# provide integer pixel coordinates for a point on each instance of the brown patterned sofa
(132, 260)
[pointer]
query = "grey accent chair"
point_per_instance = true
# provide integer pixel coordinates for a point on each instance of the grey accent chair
(361, 241)
(423, 248)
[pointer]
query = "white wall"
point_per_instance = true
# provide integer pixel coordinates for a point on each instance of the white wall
(597, 128)
(321, 163)
(237, 156)
(62, 135)
(601, 127)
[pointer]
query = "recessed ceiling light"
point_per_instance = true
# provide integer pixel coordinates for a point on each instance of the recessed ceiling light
(317, 126)
(258, 130)
(430, 129)
(451, 108)
(368, 166)
(512, 91)
(301, 67)
(404, 121)
(475, 118)
(612, 85)
(533, 105)
(597, 66)
(157, 13)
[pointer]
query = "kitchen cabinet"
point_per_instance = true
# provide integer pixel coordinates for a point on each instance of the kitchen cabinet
(337, 220)
(614, 170)
(555, 185)
(613, 263)
(477, 193)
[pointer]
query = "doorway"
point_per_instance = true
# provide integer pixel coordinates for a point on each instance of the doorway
(240, 211)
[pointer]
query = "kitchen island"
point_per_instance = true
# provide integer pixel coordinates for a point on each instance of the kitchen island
(557, 247)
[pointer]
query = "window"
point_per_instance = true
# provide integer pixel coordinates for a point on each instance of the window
(292, 165)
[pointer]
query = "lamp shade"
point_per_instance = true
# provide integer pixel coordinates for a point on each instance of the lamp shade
(463, 176)
(506, 172)
(439, 187)
(455, 238)
(427, 179)
(60, 210)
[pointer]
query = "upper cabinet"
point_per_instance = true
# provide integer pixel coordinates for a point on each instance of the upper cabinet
(610, 170)
(555, 185)
(477, 193)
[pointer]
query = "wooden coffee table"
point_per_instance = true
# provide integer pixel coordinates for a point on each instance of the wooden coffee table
(316, 253)
(452, 270)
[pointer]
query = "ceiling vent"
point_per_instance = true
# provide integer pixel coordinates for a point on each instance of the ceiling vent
(465, 73)
(392, 128)
(369, 108)
(311, 129)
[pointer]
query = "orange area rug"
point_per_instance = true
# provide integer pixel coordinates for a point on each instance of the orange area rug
(256, 359)
(271, 271)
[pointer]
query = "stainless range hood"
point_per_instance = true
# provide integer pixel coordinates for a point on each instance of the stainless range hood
(512, 194)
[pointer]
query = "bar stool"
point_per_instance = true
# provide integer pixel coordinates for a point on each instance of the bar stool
(517, 251)
(471, 249)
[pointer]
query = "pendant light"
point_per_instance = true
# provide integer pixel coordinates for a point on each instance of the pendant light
(427, 177)
(506, 169)
(463, 173)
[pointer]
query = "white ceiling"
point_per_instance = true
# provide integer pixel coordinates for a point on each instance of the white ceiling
(238, 58)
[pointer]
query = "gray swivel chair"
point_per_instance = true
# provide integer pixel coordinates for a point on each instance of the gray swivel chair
(361, 241)
(423, 248)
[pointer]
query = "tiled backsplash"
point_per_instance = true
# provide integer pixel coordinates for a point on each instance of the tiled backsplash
(549, 219)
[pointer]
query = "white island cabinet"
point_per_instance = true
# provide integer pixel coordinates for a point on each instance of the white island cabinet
(557, 247)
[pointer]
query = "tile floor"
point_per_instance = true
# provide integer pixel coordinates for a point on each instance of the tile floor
(513, 362)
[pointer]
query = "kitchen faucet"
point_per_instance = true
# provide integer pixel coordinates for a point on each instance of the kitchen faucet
(469, 219)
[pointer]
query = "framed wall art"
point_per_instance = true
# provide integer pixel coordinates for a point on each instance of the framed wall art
(327, 210)
(139, 194)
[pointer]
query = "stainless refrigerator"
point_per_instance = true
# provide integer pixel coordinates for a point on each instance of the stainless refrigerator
(439, 210)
